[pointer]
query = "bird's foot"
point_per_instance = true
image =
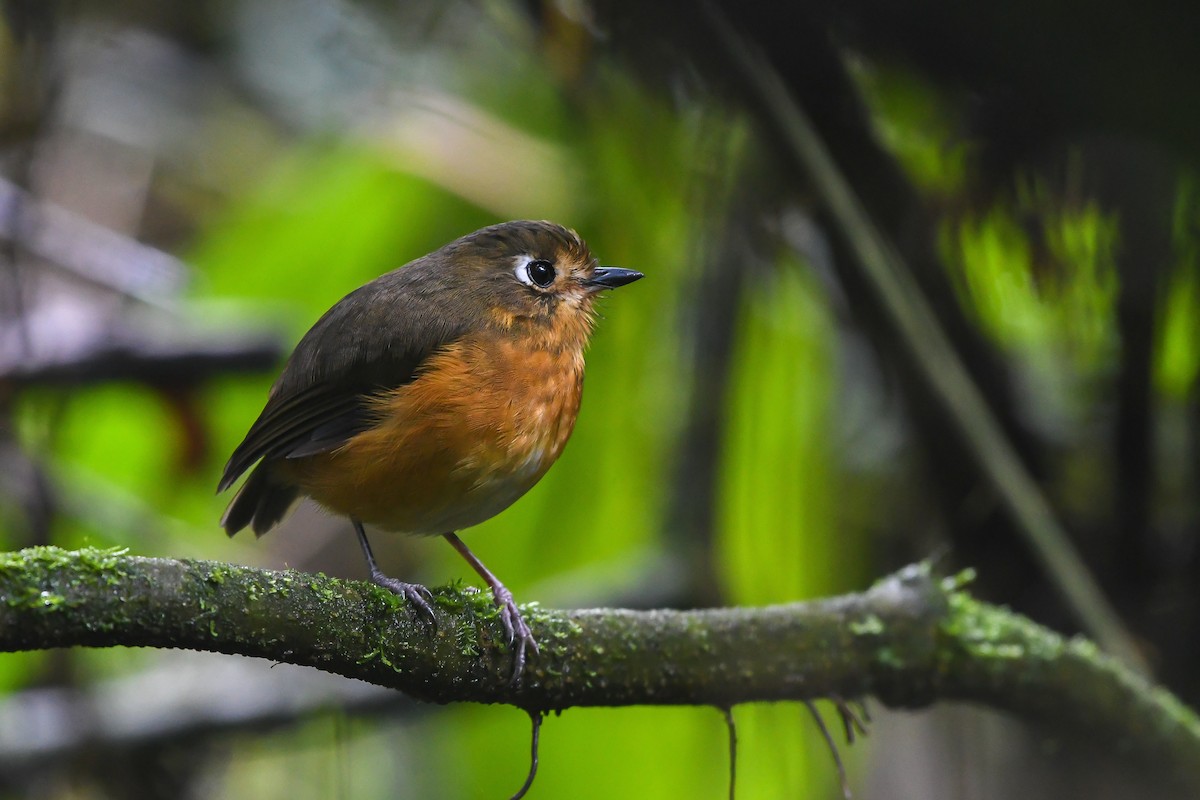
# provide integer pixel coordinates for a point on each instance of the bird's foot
(414, 593)
(520, 638)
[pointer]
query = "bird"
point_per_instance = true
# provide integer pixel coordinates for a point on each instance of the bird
(431, 398)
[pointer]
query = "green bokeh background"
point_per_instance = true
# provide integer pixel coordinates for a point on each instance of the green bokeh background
(637, 178)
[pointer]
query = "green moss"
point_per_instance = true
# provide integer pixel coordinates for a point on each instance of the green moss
(106, 560)
(391, 600)
(31, 597)
(1085, 647)
(378, 654)
(322, 589)
(969, 620)
(74, 568)
(55, 558)
(480, 605)
(953, 583)
(450, 601)
(871, 625)
(1003, 651)
(35, 556)
(990, 633)
(888, 657)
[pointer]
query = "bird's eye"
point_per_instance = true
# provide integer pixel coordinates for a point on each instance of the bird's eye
(540, 272)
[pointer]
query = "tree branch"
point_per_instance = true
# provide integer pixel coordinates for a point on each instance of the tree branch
(909, 640)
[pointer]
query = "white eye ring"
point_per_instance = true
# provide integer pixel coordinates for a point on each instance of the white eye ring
(524, 272)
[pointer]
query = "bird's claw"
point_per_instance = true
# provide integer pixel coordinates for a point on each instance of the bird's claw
(520, 638)
(414, 593)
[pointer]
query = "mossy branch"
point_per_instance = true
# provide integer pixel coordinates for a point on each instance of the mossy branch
(910, 640)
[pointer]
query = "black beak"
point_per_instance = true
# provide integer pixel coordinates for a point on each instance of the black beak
(611, 278)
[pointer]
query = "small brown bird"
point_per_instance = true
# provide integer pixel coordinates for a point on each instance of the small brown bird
(431, 398)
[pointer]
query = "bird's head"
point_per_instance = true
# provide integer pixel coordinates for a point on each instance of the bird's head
(531, 277)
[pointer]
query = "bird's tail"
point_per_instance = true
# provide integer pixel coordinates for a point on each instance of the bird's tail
(260, 504)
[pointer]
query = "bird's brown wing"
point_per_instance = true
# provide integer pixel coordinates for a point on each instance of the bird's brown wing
(314, 420)
(375, 339)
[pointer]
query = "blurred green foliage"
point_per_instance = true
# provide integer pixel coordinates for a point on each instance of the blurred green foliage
(637, 182)
(1062, 311)
(916, 123)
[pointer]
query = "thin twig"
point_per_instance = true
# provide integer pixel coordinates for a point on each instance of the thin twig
(854, 717)
(535, 717)
(833, 749)
(731, 727)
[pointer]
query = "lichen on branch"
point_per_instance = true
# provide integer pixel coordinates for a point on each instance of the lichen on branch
(910, 640)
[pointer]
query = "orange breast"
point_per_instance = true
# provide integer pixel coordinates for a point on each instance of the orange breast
(476, 430)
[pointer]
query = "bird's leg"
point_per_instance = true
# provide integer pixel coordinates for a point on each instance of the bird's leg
(519, 635)
(414, 593)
